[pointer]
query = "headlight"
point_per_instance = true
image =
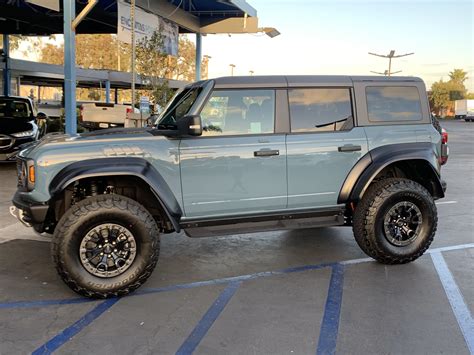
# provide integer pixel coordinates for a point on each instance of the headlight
(23, 134)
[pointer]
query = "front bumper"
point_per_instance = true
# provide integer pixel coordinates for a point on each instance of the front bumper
(32, 213)
(9, 152)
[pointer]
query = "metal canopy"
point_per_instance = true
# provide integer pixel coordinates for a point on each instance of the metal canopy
(20, 17)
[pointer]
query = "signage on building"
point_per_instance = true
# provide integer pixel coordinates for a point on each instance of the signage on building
(145, 24)
(49, 4)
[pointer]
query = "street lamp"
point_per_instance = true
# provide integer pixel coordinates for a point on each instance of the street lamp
(232, 66)
(251, 72)
(390, 56)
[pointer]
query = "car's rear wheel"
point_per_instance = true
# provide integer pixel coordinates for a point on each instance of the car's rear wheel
(396, 220)
(106, 246)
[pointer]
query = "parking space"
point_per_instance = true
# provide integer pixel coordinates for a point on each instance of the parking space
(282, 292)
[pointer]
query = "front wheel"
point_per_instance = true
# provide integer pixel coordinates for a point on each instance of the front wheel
(106, 246)
(395, 222)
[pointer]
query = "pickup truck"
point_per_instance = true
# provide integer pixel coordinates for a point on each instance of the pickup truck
(99, 115)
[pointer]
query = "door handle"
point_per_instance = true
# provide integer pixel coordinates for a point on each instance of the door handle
(266, 153)
(349, 148)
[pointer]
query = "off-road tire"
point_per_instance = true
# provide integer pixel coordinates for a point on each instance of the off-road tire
(369, 220)
(93, 211)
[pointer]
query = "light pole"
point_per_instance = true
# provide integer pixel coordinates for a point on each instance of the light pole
(251, 72)
(232, 66)
(206, 65)
(132, 23)
(390, 56)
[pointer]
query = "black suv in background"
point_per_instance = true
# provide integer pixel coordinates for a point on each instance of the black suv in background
(18, 125)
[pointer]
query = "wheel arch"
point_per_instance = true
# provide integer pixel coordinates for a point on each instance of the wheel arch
(416, 161)
(131, 168)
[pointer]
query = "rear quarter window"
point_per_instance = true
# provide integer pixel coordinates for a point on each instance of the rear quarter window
(393, 103)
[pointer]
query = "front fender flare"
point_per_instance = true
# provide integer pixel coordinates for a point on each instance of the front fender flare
(121, 166)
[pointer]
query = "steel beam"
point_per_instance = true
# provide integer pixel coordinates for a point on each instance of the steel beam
(198, 56)
(7, 80)
(70, 67)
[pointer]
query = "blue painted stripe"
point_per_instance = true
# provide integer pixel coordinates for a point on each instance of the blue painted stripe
(332, 311)
(143, 291)
(201, 329)
(66, 335)
(460, 309)
(45, 303)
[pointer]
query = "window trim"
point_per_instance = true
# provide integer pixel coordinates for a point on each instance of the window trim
(381, 122)
(245, 134)
(352, 104)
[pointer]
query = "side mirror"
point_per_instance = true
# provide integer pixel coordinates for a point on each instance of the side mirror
(190, 126)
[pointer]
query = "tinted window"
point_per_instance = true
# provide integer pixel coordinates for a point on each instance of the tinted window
(389, 103)
(239, 112)
(14, 108)
(320, 110)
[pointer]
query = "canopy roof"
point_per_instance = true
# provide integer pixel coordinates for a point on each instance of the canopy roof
(21, 17)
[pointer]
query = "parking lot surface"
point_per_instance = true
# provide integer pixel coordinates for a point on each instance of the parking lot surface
(288, 292)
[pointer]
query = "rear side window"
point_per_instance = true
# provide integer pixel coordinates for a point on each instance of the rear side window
(320, 110)
(393, 103)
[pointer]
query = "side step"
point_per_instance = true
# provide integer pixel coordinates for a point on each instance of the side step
(267, 222)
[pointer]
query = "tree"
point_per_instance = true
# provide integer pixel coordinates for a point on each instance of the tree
(153, 65)
(439, 97)
(458, 76)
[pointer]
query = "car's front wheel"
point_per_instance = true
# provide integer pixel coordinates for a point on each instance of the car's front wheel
(395, 221)
(106, 246)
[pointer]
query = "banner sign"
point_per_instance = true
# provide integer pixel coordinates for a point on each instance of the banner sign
(49, 4)
(145, 24)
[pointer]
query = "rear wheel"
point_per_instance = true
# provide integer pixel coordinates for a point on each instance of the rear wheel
(395, 222)
(106, 246)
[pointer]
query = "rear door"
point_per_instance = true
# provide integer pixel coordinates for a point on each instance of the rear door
(323, 145)
(238, 165)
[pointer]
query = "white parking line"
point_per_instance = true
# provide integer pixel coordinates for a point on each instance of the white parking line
(446, 202)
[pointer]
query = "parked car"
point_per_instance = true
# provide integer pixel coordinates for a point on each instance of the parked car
(238, 155)
(19, 124)
(100, 115)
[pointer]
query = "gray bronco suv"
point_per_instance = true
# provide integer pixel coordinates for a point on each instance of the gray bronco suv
(239, 155)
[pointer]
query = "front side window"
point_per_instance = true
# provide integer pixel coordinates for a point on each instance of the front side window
(177, 108)
(233, 112)
(393, 103)
(320, 110)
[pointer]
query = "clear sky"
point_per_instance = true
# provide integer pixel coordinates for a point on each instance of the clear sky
(334, 37)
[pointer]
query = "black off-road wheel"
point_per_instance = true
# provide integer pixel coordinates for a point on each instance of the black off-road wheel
(106, 246)
(396, 220)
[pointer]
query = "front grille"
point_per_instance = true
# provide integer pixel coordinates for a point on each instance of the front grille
(5, 141)
(21, 172)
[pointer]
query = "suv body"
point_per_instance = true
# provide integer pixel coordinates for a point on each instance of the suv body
(236, 155)
(18, 125)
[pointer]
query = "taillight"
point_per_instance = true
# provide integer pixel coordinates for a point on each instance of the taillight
(444, 136)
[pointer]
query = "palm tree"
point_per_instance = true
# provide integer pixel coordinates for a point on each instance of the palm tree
(458, 76)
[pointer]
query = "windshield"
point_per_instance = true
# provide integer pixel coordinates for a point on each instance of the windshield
(14, 109)
(177, 108)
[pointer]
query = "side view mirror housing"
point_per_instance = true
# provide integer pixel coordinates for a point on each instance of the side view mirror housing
(190, 126)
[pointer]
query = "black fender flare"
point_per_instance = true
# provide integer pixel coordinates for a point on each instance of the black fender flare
(367, 168)
(121, 166)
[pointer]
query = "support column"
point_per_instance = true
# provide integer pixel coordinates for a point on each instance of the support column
(7, 81)
(70, 67)
(107, 91)
(116, 96)
(198, 56)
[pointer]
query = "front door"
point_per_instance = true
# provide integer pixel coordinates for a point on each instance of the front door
(322, 147)
(238, 165)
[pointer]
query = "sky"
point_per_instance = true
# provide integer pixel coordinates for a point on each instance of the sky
(334, 37)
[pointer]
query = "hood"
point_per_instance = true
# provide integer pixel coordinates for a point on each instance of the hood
(15, 125)
(96, 143)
